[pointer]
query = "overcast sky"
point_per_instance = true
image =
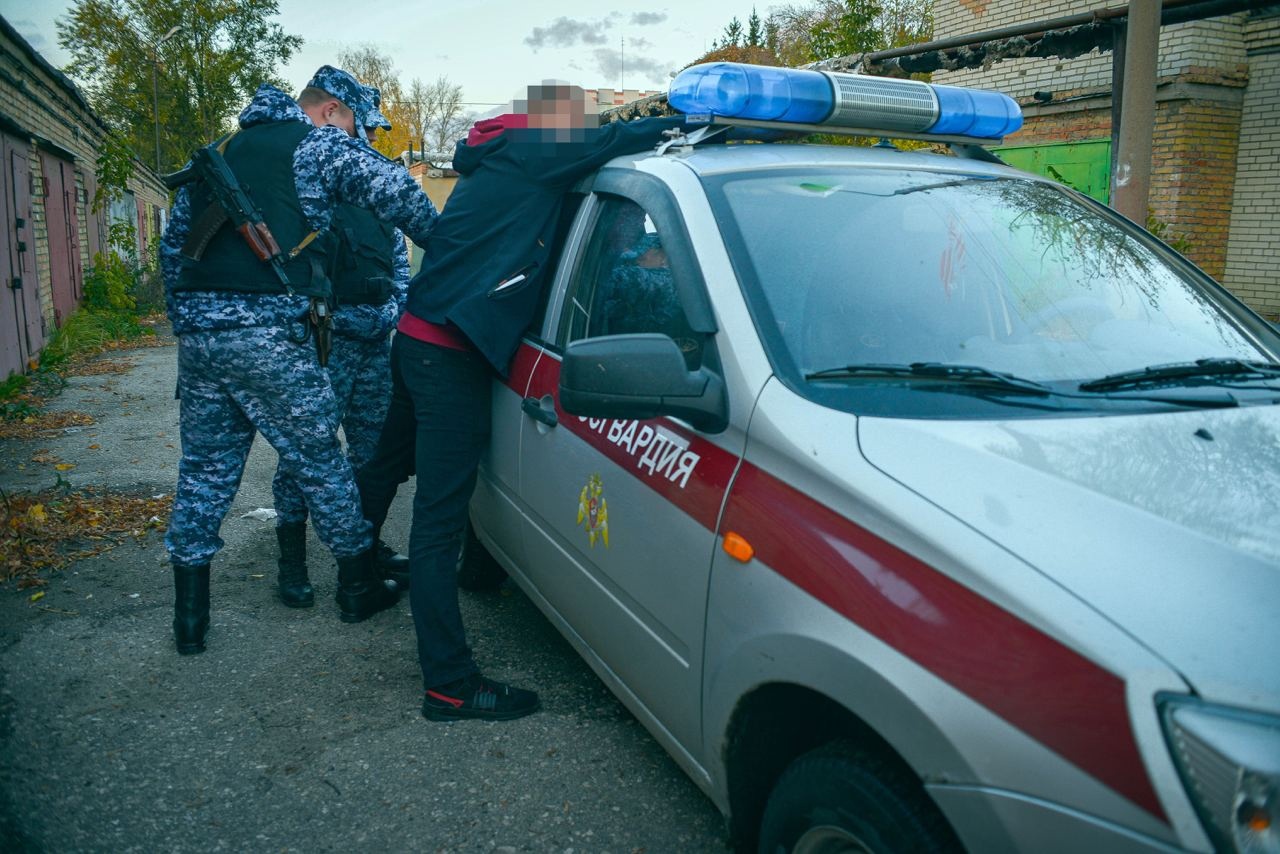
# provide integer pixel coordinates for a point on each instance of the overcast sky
(493, 50)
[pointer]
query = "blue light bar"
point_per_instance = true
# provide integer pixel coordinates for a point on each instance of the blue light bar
(800, 96)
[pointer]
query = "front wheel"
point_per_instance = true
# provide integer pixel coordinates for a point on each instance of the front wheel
(477, 570)
(840, 799)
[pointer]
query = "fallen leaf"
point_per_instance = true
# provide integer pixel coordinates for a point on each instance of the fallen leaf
(65, 466)
(37, 596)
(37, 514)
(95, 446)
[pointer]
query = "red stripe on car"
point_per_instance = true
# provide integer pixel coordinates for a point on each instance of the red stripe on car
(1050, 692)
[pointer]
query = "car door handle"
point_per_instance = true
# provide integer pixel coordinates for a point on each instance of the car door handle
(533, 407)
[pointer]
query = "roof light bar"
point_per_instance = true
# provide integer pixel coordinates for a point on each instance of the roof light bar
(800, 96)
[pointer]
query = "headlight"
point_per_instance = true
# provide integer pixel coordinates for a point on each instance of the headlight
(1229, 760)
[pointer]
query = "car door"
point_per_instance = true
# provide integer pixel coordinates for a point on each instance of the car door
(621, 514)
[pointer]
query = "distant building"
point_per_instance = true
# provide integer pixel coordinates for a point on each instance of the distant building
(617, 97)
(1215, 180)
(49, 140)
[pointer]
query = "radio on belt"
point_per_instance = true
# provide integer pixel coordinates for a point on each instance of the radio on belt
(801, 96)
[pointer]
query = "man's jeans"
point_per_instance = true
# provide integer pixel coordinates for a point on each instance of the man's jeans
(437, 427)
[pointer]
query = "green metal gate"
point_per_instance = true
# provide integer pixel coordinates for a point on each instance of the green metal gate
(1085, 166)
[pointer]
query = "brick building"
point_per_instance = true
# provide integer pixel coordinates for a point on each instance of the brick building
(1215, 175)
(49, 140)
(605, 98)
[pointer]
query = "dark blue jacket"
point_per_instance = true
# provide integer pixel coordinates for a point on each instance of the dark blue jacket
(499, 223)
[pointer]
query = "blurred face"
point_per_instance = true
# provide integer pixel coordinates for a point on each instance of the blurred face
(559, 107)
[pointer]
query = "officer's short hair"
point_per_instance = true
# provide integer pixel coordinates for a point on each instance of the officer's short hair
(313, 96)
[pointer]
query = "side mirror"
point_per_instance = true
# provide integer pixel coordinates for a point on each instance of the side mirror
(640, 376)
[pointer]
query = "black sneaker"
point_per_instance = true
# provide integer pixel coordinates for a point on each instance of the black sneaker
(393, 567)
(478, 697)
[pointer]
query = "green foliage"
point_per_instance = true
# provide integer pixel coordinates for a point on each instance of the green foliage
(12, 406)
(851, 29)
(88, 330)
(799, 33)
(110, 283)
(755, 33)
(732, 34)
(114, 167)
(204, 72)
(119, 281)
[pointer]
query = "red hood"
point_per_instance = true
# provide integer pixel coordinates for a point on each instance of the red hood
(487, 129)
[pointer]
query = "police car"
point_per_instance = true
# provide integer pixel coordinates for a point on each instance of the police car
(913, 503)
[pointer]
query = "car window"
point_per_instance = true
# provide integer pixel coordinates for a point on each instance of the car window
(626, 283)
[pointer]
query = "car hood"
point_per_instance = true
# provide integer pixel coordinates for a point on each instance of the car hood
(1168, 524)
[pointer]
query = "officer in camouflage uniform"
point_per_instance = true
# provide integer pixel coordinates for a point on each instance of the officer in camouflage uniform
(246, 362)
(370, 279)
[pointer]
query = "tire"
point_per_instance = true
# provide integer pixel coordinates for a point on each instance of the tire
(477, 570)
(838, 799)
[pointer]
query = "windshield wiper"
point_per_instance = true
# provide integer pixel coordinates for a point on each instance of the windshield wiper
(944, 371)
(1205, 370)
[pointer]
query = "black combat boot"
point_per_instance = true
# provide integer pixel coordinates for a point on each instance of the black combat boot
(295, 588)
(361, 593)
(190, 607)
(393, 567)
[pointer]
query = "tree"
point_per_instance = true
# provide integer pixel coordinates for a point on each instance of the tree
(206, 70)
(733, 34)
(755, 38)
(374, 68)
(438, 114)
(827, 29)
(905, 22)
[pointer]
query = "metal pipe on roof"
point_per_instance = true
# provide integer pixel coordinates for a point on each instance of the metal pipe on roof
(1173, 12)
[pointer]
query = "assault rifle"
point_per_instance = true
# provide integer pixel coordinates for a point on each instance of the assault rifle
(231, 204)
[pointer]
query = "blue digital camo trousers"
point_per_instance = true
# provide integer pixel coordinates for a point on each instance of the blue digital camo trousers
(360, 375)
(232, 383)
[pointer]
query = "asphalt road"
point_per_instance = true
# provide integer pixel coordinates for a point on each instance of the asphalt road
(294, 731)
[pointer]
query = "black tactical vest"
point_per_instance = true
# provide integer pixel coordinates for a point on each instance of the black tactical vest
(262, 159)
(365, 270)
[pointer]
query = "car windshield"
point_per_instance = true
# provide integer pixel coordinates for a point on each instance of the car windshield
(888, 266)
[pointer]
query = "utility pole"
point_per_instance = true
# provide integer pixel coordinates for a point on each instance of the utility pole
(622, 62)
(155, 85)
(1131, 161)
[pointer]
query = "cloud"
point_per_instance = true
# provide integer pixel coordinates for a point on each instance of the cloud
(644, 19)
(566, 32)
(639, 43)
(609, 61)
(31, 32)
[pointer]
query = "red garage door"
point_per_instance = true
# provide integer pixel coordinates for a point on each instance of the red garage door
(21, 324)
(64, 234)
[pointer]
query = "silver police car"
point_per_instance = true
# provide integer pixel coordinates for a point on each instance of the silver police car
(913, 503)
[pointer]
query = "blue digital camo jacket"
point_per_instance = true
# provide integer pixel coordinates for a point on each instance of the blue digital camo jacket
(328, 167)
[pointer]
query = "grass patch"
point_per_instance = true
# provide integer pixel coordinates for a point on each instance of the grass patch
(47, 530)
(86, 334)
